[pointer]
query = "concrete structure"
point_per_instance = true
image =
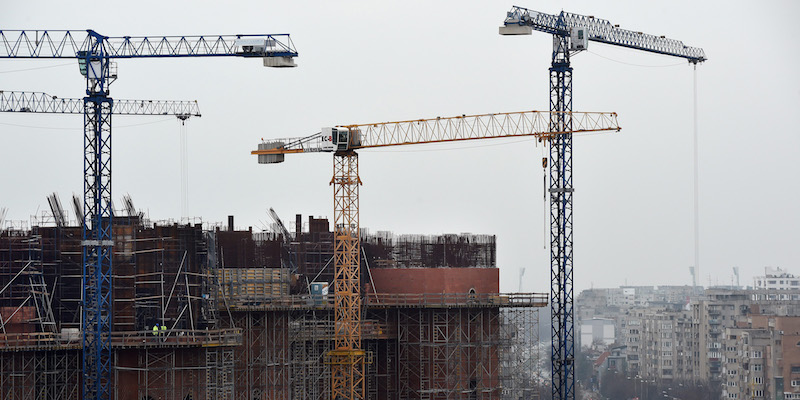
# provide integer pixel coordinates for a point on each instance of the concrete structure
(744, 342)
(597, 332)
(777, 284)
(242, 322)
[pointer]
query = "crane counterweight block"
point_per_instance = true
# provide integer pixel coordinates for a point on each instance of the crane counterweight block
(273, 158)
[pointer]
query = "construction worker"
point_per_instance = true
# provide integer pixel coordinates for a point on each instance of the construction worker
(155, 329)
(164, 332)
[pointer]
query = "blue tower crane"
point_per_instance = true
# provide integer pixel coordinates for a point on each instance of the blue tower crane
(95, 54)
(571, 34)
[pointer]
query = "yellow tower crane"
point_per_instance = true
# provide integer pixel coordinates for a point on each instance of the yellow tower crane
(347, 358)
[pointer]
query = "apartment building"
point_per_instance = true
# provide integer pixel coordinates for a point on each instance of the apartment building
(775, 285)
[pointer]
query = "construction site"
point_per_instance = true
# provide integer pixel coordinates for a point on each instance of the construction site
(248, 315)
(110, 304)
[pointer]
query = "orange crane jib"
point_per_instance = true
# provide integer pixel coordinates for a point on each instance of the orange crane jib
(347, 359)
(434, 130)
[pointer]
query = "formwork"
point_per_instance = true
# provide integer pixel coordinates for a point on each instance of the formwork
(161, 276)
(241, 322)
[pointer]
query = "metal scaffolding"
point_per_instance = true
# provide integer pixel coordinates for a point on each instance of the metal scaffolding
(520, 369)
(254, 342)
(45, 375)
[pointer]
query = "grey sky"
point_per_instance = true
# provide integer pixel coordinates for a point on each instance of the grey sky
(369, 61)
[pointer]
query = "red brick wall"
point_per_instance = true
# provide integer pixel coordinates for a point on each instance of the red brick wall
(436, 280)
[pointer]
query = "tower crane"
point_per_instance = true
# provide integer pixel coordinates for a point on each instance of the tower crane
(96, 55)
(348, 357)
(571, 34)
(39, 102)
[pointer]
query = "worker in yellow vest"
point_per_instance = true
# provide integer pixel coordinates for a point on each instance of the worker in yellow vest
(164, 332)
(155, 329)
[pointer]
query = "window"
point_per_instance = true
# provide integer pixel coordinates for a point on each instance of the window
(795, 369)
(756, 354)
(795, 383)
(757, 367)
(758, 393)
(733, 395)
(759, 380)
(731, 383)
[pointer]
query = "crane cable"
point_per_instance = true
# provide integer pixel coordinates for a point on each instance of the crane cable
(35, 68)
(60, 128)
(696, 183)
(635, 65)
(544, 199)
(184, 171)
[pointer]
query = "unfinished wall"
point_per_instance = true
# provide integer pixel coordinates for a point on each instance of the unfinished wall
(436, 280)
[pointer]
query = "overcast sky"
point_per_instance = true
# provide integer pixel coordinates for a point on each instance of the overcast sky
(369, 61)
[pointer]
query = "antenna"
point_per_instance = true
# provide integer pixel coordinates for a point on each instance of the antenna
(736, 273)
(521, 273)
(694, 276)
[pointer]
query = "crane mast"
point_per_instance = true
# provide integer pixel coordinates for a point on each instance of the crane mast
(348, 357)
(95, 54)
(571, 34)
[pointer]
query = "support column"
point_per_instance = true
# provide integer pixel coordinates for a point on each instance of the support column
(97, 247)
(347, 358)
(561, 189)
(97, 214)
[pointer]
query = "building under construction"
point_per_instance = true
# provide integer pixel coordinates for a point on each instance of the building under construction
(205, 312)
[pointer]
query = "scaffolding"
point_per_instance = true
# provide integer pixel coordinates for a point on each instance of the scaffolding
(520, 373)
(311, 336)
(238, 326)
(198, 373)
(261, 366)
(45, 375)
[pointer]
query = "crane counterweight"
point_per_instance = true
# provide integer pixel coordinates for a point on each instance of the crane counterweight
(270, 158)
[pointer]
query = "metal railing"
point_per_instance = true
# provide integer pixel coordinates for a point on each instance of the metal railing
(125, 339)
(458, 299)
(320, 301)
